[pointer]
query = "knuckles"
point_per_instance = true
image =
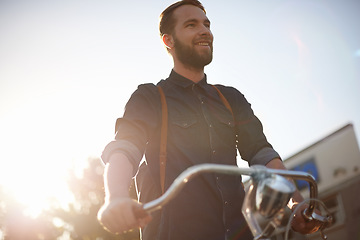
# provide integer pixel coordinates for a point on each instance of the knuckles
(117, 216)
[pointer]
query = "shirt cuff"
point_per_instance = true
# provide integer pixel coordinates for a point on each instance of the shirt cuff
(127, 148)
(264, 156)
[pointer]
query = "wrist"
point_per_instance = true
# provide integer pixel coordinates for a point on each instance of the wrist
(118, 195)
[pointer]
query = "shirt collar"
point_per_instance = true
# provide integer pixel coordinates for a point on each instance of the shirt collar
(184, 82)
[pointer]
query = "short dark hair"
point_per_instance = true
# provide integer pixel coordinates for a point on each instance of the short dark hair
(167, 22)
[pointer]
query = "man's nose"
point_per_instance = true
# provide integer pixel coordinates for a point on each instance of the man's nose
(205, 31)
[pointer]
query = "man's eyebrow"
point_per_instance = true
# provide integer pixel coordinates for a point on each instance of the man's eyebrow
(196, 20)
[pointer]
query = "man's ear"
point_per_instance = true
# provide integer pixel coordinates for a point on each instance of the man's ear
(168, 41)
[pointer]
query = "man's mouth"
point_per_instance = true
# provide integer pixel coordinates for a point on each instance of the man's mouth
(203, 44)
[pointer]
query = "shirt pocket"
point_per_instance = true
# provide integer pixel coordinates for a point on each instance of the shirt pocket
(185, 123)
(226, 131)
(229, 122)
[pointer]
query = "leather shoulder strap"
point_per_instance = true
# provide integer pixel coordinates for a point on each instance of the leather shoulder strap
(163, 137)
(164, 128)
(224, 100)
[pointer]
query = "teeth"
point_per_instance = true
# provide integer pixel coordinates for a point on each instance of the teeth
(203, 44)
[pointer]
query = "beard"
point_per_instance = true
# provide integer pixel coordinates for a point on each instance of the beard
(190, 57)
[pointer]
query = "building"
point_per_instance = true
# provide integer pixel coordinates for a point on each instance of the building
(335, 163)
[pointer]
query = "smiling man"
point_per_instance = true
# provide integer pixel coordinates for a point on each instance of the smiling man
(190, 42)
(201, 129)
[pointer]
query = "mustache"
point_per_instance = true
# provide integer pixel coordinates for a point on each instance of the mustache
(207, 40)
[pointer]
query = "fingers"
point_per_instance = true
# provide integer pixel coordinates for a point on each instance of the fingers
(142, 216)
(302, 225)
(117, 216)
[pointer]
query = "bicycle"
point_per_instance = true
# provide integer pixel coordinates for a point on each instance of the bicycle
(266, 198)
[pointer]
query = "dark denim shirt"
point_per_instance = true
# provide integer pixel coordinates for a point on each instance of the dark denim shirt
(200, 130)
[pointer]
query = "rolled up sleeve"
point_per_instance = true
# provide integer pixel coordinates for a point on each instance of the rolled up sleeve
(132, 153)
(264, 156)
(134, 129)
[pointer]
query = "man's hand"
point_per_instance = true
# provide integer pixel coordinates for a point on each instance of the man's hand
(302, 225)
(117, 215)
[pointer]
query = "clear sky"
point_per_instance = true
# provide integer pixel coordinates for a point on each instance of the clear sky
(68, 67)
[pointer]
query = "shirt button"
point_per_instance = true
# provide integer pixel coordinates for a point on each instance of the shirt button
(227, 230)
(213, 151)
(226, 202)
(210, 125)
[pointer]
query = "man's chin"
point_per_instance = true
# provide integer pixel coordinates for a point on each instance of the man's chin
(204, 59)
(196, 60)
(199, 64)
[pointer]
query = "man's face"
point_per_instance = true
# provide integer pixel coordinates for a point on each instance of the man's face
(193, 40)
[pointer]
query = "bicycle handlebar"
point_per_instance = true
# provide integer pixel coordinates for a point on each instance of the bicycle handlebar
(193, 171)
(254, 172)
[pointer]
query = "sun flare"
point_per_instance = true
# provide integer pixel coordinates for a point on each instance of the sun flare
(37, 188)
(37, 159)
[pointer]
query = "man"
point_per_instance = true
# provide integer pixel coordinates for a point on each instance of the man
(201, 129)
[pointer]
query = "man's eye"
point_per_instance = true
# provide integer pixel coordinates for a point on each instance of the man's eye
(190, 25)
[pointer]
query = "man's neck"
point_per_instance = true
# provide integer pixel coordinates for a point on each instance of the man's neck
(195, 75)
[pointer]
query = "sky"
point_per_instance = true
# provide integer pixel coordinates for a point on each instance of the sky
(67, 69)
